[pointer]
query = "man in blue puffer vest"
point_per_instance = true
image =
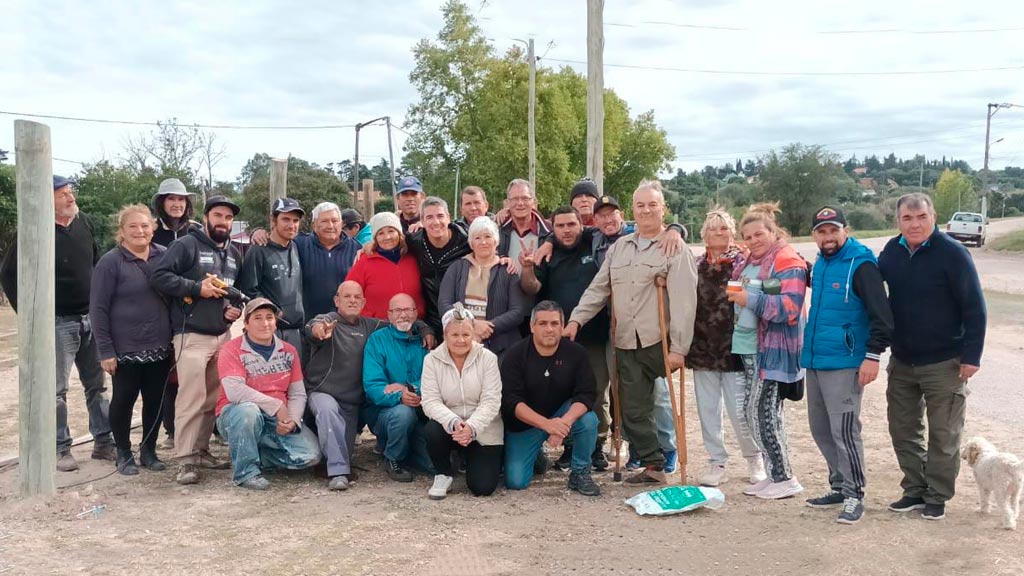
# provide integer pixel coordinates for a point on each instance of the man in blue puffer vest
(849, 326)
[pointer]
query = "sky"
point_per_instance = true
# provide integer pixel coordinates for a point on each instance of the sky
(726, 79)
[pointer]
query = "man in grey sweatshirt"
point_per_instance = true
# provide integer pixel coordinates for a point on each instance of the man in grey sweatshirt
(334, 377)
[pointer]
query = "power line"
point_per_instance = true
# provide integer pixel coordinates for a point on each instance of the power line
(825, 32)
(764, 73)
(212, 126)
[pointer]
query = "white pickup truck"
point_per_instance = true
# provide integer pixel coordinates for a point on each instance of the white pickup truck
(967, 227)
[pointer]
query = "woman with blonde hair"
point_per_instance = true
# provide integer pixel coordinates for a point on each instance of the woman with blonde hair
(769, 338)
(717, 372)
(386, 269)
(132, 327)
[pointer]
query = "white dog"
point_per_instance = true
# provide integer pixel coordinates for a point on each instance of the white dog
(998, 474)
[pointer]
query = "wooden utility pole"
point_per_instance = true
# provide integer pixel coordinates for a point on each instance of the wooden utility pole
(595, 93)
(391, 161)
(37, 371)
(278, 178)
(369, 198)
(532, 129)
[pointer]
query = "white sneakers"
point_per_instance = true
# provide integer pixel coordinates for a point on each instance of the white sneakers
(755, 467)
(440, 488)
(779, 490)
(753, 489)
(713, 476)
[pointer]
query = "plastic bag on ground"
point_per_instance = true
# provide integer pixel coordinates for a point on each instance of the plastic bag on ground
(676, 499)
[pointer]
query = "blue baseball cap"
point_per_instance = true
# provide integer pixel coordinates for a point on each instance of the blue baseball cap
(409, 183)
(60, 182)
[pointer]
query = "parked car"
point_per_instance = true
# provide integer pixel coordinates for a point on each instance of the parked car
(968, 227)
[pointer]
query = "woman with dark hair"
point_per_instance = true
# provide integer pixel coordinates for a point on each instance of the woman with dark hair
(172, 205)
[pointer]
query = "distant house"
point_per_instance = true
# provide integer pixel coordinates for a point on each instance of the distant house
(860, 171)
(867, 185)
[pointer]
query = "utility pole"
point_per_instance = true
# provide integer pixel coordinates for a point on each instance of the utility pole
(920, 178)
(532, 130)
(391, 159)
(595, 93)
(355, 165)
(37, 373)
(992, 109)
(278, 178)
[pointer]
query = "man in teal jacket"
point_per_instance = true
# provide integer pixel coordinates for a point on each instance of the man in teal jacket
(849, 326)
(392, 366)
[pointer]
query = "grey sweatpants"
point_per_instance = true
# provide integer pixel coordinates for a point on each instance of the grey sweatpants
(833, 410)
(337, 425)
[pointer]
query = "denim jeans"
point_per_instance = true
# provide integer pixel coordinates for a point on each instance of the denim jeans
(400, 429)
(254, 443)
(75, 344)
(521, 448)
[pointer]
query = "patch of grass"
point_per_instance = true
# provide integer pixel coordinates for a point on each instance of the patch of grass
(1012, 242)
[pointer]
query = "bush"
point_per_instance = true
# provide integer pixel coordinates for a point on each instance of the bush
(866, 218)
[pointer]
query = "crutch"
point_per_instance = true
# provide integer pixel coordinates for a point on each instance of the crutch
(678, 406)
(616, 403)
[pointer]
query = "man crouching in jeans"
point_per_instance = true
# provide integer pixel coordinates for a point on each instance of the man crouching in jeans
(262, 398)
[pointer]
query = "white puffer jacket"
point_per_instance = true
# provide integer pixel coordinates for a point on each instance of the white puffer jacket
(473, 396)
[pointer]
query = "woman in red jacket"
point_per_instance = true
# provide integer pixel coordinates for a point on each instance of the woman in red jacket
(386, 268)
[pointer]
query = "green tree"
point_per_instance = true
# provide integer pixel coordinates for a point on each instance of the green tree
(954, 192)
(8, 207)
(104, 188)
(308, 183)
(801, 178)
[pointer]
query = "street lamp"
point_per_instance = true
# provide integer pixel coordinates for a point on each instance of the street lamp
(992, 109)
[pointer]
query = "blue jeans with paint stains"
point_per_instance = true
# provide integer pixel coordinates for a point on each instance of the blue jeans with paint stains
(254, 443)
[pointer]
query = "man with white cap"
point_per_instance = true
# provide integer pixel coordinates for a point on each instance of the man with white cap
(174, 210)
(261, 401)
(77, 254)
(274, 271)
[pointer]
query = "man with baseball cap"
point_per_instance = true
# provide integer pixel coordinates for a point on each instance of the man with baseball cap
(262, 398)
(408, 198)
(77, 254)
(274, 270)
(583, 198)
(193, 273)
(848, 327)
(354, 226)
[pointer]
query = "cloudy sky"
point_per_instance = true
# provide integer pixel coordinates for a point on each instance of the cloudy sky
(725, 78)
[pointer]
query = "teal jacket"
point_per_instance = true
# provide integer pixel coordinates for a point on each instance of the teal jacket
(838, 324)
(391, 357)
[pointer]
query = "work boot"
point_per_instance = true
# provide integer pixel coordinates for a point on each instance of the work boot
(339, 483)
(207, 460)
(188, 474)
(396, 472)
(66, 462)
(105, 451)
(126, 463)
(582, 482)
(255, 483)
(149, 460)
(649, 475)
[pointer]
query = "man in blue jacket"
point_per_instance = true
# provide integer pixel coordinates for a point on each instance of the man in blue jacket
(848, 328)
(392, 367)
(939, 319)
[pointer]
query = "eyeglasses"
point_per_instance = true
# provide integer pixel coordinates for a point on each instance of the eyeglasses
(520, 199)
(401, 311)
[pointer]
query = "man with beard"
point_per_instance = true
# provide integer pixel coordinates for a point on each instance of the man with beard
(408, 198)
(392, 369)
(435, 246)
(564, 279)
(189, 273)
(77, 254)
(172, 204)
(848, 328)
(273, 271)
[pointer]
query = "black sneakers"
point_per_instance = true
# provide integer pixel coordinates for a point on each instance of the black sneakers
(583, 483)
(826, 501)
(396, 472)
(853, 511)
(906, 504)
(599, 460)
(934, 511)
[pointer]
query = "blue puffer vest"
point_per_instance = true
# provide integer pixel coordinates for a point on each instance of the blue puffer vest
(837, 326)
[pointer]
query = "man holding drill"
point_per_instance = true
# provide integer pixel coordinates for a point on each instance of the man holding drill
(197, 272)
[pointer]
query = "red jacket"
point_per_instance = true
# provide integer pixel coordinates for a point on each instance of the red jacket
(381, 279)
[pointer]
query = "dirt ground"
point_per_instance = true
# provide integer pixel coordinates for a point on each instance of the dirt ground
(149, 525)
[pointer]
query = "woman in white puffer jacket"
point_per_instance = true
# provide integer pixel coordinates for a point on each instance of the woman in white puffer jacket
(461, 394)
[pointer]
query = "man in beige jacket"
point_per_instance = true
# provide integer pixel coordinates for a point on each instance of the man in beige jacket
(627, 277)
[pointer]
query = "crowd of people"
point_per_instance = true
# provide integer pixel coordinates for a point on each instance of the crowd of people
(466, 346)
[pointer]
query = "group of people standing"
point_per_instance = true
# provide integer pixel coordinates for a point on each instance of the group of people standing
(469, 344)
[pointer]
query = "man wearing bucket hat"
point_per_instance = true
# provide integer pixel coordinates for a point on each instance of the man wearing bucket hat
(196, 272)
(408, 198)
(262, 399)
(174, 210)
(848, 327)
(77, 254)
(274, 271)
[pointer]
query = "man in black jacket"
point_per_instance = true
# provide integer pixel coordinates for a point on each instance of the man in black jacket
(435, 246)
(190, 272)
(273, 271)
(77, 253)
(939, 320)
